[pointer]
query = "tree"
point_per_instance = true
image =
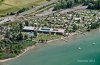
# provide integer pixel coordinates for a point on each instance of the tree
(75, 1)
(69, 4)
(91, 6)
(7, 34)
(19, 36)
(48, 0)
(75, 27)
(26, 23)
(35, 33)
(94, 5)
(25, 36)
(20, 26)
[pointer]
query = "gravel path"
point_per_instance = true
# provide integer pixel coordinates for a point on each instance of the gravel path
(80, 7)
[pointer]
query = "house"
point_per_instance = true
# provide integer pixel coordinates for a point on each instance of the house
(51, 30)
(58, 31)
(77, 19)
(44, 30)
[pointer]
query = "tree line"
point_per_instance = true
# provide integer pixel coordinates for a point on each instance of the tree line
(94, 5)
(64, 4)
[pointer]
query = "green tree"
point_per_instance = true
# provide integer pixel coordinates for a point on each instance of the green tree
(19, 36)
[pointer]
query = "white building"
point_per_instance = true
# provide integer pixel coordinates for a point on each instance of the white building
(58, 31)
(44, 30)
(29, 29)
(77, 19)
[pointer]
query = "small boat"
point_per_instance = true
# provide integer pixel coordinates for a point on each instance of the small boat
(79, 48)
(93, 43)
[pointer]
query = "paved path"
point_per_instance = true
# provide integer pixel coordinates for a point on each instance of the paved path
(12, 17)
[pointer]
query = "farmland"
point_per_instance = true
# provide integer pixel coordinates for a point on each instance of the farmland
(8, 6)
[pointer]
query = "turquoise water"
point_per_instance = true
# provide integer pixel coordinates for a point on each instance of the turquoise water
(64, 53)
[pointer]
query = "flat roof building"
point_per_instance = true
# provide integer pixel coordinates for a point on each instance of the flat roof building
(44, 30)
(29, 28)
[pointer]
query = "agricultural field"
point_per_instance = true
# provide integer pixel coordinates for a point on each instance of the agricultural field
(8, 6)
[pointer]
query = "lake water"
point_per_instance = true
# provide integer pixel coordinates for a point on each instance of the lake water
(81, 50)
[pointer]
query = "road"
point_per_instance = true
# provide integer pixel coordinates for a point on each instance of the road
(48, 12)
(12, 17)
(36, 8)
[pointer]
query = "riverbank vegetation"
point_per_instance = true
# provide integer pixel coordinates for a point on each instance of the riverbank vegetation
(95, 5)
(13, 40)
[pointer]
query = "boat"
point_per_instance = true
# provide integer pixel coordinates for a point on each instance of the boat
(79, 48)
(93, 43)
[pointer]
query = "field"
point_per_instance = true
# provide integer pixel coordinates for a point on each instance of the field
(8, 6)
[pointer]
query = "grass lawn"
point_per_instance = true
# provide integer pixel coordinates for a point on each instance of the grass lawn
(7, 6)
(44, 36)
(47, 37)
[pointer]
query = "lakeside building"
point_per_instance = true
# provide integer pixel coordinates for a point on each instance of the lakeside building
(44, 30)
(77, 18)
(29, 29)
(58, 31)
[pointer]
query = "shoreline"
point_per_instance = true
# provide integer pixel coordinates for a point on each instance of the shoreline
(33, 46)
(25, 50)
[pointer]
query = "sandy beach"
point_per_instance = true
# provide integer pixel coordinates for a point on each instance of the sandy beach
(25, 50)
